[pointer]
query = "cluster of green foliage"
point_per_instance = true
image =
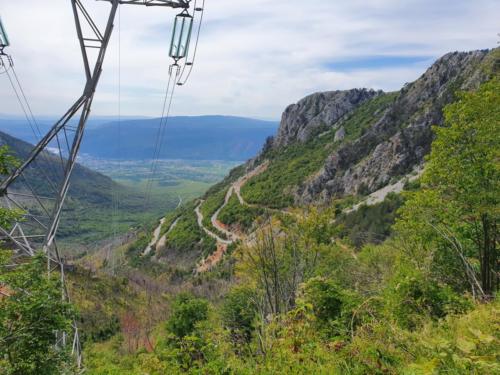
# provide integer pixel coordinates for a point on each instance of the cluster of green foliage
(291, 166)
(31, 307)
(187, 236)
(212, 203)
(187, 311)
(7, 163)
(370, 224)
(424, 301)
(456, 210)
(366, 115)
(136, 249)
(30, 313)
(239, 313)
(385, 322)
(242, 216)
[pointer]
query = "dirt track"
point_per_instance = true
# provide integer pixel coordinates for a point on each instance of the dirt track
(222, 244)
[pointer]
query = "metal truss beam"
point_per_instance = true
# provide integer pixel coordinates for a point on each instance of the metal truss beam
(158, 3)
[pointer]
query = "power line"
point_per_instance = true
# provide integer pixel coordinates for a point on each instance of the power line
(30, 118)
(167, 105)
(115, 192)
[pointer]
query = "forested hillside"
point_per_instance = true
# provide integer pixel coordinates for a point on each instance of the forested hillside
(363, 239)
(340, 149)
(90, 204)
(363, 245)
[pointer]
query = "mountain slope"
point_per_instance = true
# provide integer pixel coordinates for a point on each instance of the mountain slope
(395, 144)
(88, 212)
(342, 146)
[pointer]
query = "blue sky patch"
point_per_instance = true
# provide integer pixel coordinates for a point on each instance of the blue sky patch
(377, 62)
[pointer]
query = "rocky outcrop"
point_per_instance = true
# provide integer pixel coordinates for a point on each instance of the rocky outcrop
(395, 144)
(320, 111)
(340, 134)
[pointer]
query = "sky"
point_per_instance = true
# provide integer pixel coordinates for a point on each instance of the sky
(254, 57)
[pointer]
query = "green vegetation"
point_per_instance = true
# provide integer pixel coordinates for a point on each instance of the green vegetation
(366, 115)
(370, 224)
(187, 311)
(423, 301)
(457, 207)
(31, 307)
(239, 313)
(187, 236)
(291, 166)
(238, 215)
(103, 303)
(31, 310)
(212, 203)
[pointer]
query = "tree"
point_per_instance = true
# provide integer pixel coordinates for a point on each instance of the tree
(30, 315)
(7, 163)
(239, 312)
(457, 207)
(187, 311)
(283, 255)
(31, 309)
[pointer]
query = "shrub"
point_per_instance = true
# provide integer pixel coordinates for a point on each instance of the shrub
(238, 313)
(187, 311)
(413, 298)
(331, 305)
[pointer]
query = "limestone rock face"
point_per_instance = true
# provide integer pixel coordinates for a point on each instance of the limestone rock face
(340, 134)
(397, 143)
(318, 112)
(394, 144)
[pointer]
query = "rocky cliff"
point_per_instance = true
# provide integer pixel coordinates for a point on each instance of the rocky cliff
(394, 144)
(316, 112)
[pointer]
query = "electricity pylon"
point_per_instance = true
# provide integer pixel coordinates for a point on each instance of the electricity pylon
(42, 206)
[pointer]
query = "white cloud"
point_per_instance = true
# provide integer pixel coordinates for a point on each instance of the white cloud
(254, 57)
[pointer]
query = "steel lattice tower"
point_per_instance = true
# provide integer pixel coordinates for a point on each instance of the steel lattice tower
(41, 206)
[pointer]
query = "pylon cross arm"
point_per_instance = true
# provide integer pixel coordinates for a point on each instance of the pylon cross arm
(161, 3)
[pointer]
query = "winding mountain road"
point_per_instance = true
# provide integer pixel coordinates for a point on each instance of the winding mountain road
(156, 237)
(156, 240)
(162, 242)
(222, 244)
(218, 224)
(199, 216)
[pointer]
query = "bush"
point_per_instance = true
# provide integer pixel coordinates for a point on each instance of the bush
(371, 224)
(413, 298)
(30, 315)
(331, 305)
(238, 314)
(236, 214)
(187, 311)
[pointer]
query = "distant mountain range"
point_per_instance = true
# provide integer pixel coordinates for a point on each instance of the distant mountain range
(192, 138)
